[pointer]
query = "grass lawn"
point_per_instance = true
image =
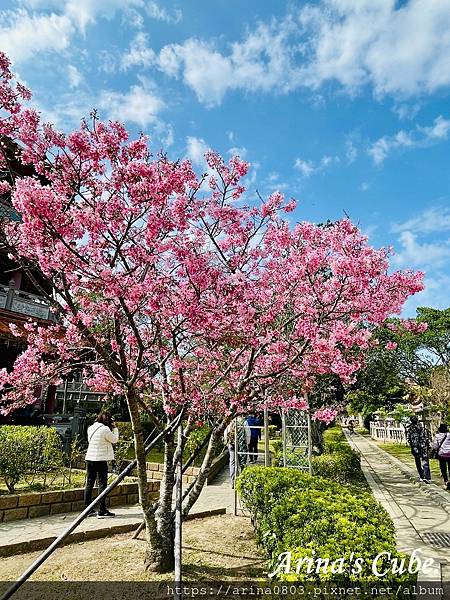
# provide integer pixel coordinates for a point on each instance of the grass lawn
(54, 481)
(403, 453)
(214, 549)
(155, 455)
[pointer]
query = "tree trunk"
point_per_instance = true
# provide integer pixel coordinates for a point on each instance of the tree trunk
(156, 559)
(206, 465)
(160, 557)
(317, 429)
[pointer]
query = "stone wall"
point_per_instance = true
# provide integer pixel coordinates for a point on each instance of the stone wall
(155, 471)
(27, 506)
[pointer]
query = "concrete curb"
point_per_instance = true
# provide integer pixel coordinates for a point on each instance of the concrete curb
(91, 534)
(441, 497)
(217, 465)
(213, 512)
(78, 536)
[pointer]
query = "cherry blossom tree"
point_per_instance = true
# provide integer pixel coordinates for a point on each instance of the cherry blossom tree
(171, 290)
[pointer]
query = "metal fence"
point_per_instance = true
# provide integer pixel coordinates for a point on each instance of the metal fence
(296, 440)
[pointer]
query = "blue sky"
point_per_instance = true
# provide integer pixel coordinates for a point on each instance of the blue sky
(341, 104)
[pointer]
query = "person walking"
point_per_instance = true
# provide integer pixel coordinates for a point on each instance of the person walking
(252, 436)
(441, 447)
(101, 437)
(418, 438)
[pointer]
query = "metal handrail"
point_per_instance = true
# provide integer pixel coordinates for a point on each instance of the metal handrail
(43, 557)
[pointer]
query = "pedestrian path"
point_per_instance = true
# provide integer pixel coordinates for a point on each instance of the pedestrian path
(421, 514)
(28, 535)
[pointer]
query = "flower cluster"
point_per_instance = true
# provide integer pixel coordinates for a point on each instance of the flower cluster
(170, 293)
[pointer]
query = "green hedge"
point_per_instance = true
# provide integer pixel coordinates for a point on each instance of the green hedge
(343, 466)
(26, 451)
(338, 461)
(311, 516)
(125, 430)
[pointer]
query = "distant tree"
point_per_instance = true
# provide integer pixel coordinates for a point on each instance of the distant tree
(409, 353)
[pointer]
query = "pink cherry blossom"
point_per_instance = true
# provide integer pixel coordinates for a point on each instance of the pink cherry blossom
(391, 346)
(178, 292)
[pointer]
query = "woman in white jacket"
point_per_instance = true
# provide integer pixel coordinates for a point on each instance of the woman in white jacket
(441, 445)
(101, 437)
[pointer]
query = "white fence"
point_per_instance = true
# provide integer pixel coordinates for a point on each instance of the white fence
(386, 431)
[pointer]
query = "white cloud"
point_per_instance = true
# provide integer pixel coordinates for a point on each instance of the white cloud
(205, 70)
(435, 294)
(86, 12)
(413, 253)
(432, 220)
(195, 150)
(327, 161)
(438, 131)
(240, 151)
(68, 110)
(407, 111)
(418, 137)
(430, 254)
(22, 35)
(263, 61)
(161, 14)
(168, 136)
(133, 18)
(307, 167)
(74, 75)
(50, 25)
(107, 62)
(139, 53)
(384, 146)
(398, 49)
(139, 105)
(351, 152)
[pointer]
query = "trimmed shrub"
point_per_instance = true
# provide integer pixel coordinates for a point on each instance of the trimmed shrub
(343, 466)
(338, 462)
(334, 434)
(311, 516)
(125, 430)
(26, 451)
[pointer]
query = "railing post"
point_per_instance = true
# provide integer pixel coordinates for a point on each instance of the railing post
(266, 437)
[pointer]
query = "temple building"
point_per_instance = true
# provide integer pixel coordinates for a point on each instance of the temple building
(21, 300)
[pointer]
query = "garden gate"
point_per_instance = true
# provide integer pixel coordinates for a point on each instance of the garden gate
(296, 444)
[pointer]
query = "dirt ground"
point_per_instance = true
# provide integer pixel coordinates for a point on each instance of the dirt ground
(215, 549)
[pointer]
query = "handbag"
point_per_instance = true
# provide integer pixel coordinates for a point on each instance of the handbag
(435, 451)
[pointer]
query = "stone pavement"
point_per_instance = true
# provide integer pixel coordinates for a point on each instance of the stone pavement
(29, 535)
(420, 512)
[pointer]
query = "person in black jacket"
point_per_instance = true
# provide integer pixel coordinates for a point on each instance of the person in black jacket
(419, 440)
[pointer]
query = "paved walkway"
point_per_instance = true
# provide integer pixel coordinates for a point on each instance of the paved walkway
(420, 512)
(28, 535)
